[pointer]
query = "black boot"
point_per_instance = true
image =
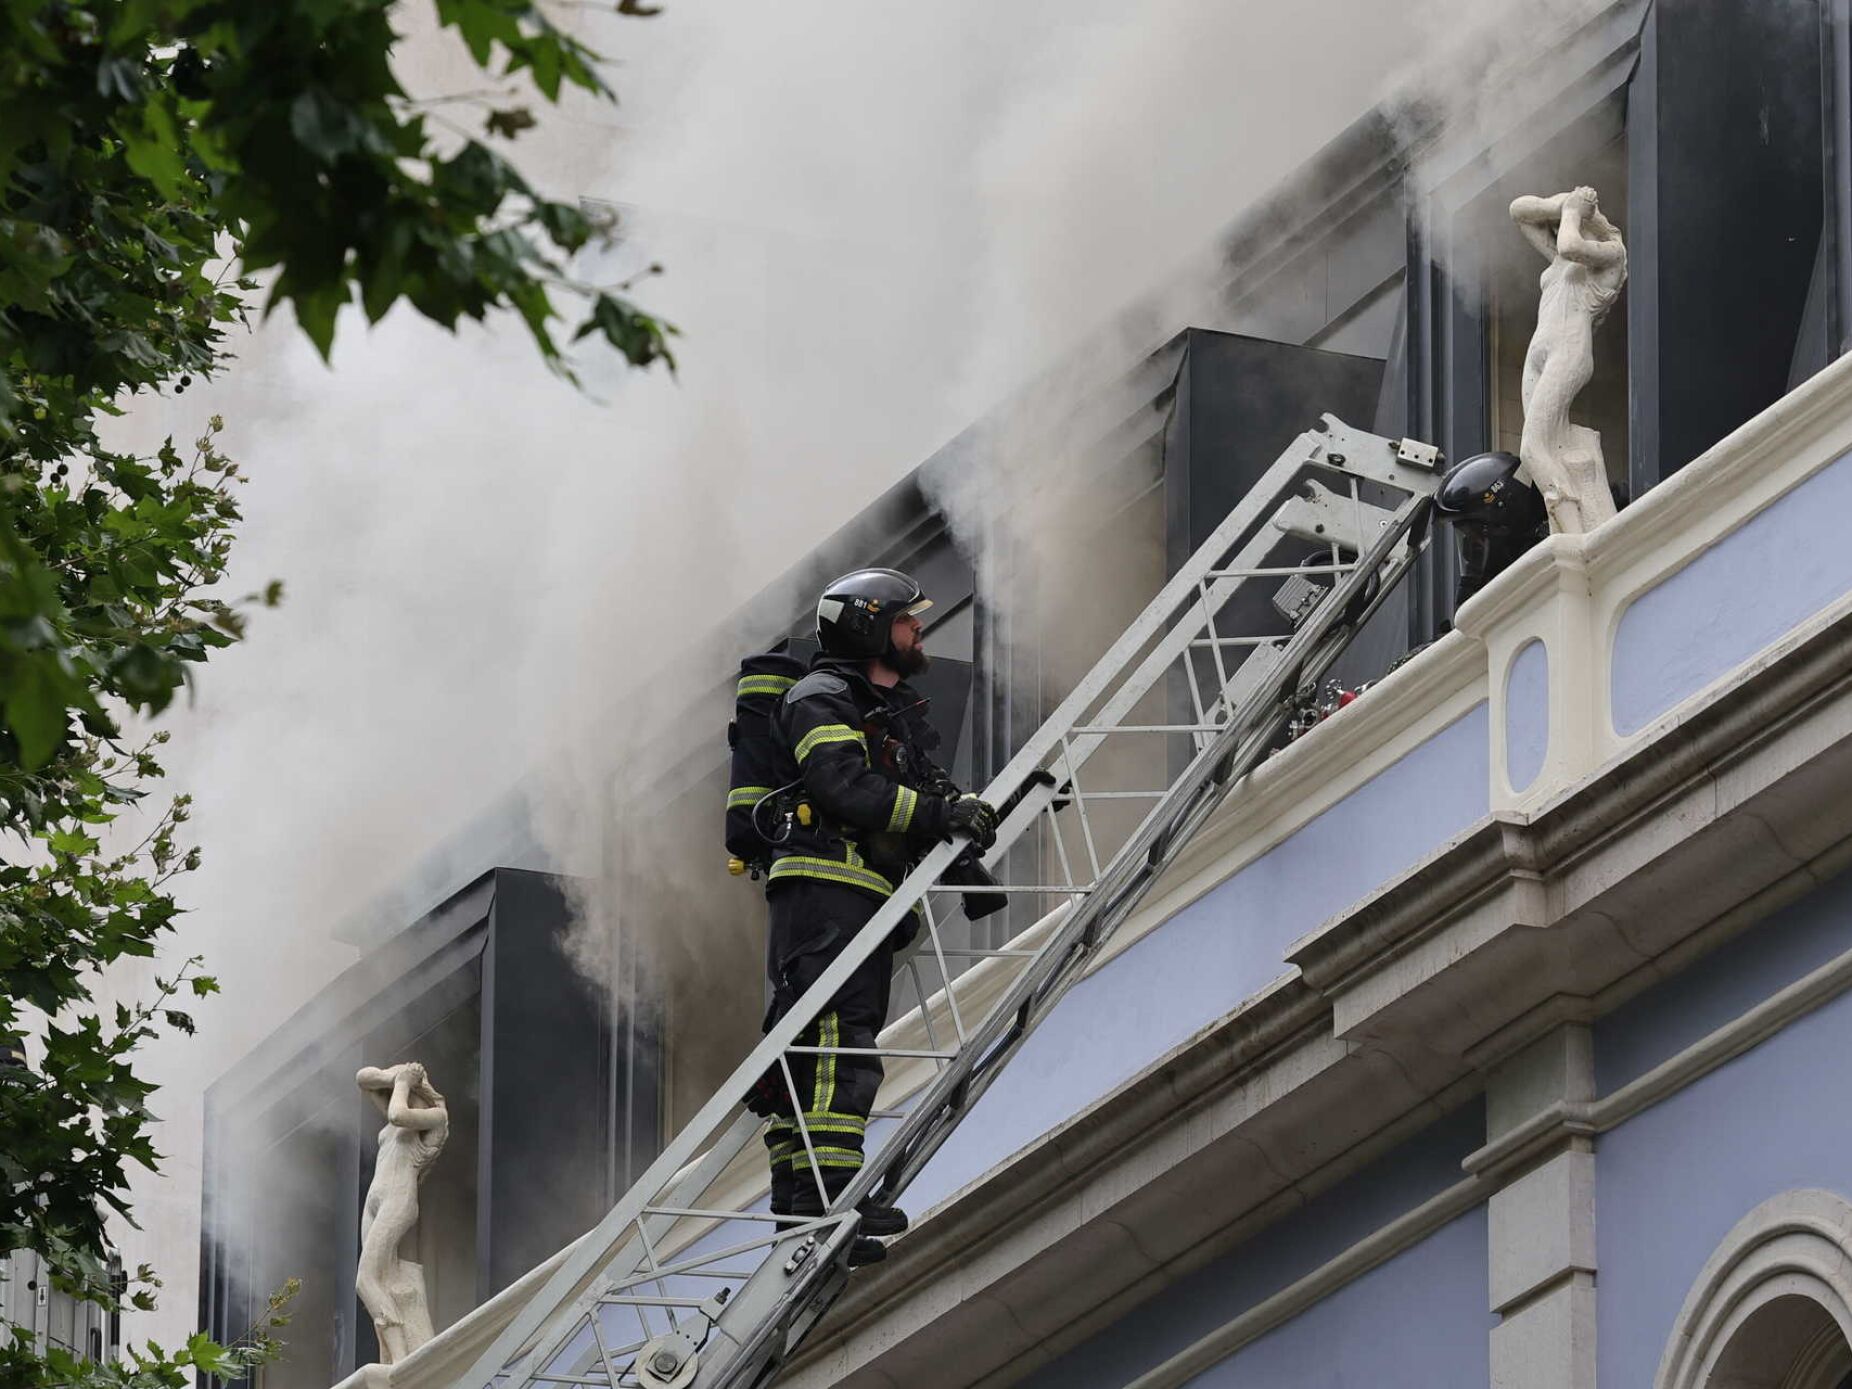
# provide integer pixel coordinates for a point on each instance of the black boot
(881, 1220)
(864, 1251)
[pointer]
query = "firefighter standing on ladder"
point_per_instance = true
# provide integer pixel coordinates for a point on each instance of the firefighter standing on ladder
(866, 802)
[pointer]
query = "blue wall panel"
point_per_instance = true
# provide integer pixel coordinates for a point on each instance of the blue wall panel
(1768, 576)
(1418, 1322)
(1199, 966)
(1673, 1181)
(1294, 1246)
(1724, 984)
(1527, 715)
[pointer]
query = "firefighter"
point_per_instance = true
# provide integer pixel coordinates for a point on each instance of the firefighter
(1496, 514)
(870, 803)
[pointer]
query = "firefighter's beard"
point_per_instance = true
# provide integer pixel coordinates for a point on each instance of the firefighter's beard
(909, 662)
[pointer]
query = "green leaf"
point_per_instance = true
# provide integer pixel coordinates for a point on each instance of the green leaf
(482, 24)
(316, 311)
(639, 337)
(569, 227)
(71, 842)
(36, 709)
(145, 145)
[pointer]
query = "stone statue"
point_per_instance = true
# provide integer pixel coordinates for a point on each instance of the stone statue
(391, 1287)
(1588, 266)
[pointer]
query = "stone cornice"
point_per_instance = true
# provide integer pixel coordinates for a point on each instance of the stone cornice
(1483, 906)
(1505, 853)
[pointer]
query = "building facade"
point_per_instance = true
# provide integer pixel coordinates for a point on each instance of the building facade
(1490, 1033)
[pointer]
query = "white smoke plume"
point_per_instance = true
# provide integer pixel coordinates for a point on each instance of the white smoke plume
(879, 220)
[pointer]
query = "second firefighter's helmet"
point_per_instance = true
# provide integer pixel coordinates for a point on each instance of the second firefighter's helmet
(1485, 491)
(855, 615)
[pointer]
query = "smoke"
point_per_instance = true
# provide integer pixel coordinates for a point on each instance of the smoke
(1482, 107)
(880, 221)
(1135, 138)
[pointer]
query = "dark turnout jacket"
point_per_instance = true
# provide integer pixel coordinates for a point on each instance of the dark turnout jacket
(863, 756)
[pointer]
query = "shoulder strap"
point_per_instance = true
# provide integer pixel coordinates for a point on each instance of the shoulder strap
(818, 682)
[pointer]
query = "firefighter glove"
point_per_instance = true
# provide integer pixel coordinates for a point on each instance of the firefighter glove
(975, 817)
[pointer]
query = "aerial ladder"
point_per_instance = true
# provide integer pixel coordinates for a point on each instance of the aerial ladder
(689, 1283)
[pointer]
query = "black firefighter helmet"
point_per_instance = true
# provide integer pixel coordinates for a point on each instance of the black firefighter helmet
(855, 615)
(1485, 492)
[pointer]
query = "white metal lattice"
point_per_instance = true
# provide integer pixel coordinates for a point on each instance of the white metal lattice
(682, 1285)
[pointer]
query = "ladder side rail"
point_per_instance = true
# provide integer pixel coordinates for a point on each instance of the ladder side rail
(1237, 690)
(1196, 808)
(1263, 712)
(610, 1237)
(1158, 661)
(1058, 965)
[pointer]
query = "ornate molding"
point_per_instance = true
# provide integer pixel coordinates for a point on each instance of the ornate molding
(1795, 1245)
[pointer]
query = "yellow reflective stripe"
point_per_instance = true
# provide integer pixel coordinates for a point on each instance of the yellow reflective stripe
(826, 1157)
(830, 870)
(747, 796)
(836, 1122)
(829, 1034)
(764, 685)
(829, 733)
(905, 800)
(794, 1150)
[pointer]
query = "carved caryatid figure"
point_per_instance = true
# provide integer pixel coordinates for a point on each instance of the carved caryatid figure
(391, 1287)
(1588, 266)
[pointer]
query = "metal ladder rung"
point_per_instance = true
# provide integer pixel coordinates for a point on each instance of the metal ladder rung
(1107, 730)
(1032, 889)
(905, 1052)
(706, 1213)
(1279, 573)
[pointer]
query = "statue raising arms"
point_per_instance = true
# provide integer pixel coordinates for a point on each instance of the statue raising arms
(417, 1123)
(1588, 266)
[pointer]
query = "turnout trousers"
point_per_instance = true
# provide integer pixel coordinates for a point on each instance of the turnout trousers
(811, 922)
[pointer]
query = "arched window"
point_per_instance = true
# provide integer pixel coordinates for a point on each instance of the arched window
(1773, 1306)
(1791, 1342)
